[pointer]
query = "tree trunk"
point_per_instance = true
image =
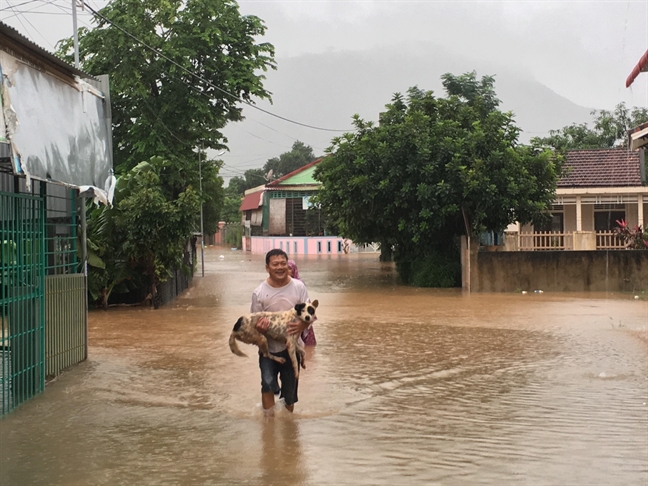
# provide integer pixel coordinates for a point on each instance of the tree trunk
(386, 252)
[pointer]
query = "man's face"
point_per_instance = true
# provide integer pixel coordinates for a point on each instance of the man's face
(278, 268)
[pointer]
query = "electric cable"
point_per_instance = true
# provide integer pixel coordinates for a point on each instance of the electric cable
(197, 76)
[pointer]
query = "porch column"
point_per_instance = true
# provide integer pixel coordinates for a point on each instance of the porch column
(579, 214)
(640, 213)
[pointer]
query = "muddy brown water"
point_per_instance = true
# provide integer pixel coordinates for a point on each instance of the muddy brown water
(406, 386)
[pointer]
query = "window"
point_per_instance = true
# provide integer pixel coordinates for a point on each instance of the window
(339, 246)
(294, 247)
(555, 224)
(606, 216)
(319, 247)
(328, 247)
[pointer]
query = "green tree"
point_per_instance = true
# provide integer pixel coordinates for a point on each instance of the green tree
(610, 129)
(158, 107)
(251, 178)
(300, 155)
(145, 232)
(230, 212)
(433, 169)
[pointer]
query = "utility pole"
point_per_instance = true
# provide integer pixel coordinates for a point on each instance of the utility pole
(76, 34)
(202, 231)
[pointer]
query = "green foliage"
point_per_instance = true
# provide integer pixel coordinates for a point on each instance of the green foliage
(437, 269)
(157, 107)
(162, 114)
(300, 155)
(610, 130)
(143, 236)
(251, 178)
(432, 169)
(230, 212)
(233, 236)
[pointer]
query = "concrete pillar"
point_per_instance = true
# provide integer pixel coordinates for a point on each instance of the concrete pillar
(511, 241)
(469, 270)
(585, 240)
(579, 214)
(640, 212)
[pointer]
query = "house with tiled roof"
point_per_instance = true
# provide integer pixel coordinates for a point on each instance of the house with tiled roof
(598, 188)
(281, 215)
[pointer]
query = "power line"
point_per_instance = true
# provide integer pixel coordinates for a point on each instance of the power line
(18, 15)
(197, 76)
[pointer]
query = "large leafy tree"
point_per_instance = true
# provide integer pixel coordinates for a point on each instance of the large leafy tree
(251, 178)
(159, 108)
(143, 236)
(178, 72)
(299, 155)
(433, 169)
(609, 129)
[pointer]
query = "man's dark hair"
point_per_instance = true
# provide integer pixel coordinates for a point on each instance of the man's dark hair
(275, 252)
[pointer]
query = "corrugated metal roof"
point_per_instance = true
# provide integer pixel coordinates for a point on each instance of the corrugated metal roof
(617, 167)
(284, 180)
(38, 51)
(252, 201)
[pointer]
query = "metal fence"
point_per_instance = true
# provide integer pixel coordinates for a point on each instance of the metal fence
(42, 295)
(65, 322)
(22, 293)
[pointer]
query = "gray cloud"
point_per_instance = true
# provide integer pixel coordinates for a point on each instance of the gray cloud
(554, 61)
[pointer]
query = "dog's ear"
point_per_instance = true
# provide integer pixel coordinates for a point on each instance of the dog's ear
(300, 308)
(315, 303)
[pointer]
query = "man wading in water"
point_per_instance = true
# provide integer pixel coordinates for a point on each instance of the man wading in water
(279, 292)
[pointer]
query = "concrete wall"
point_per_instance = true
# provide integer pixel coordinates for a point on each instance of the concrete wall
(561, 271)
(297, 245)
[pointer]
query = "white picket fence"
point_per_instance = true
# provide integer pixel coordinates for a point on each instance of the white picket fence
(552, 240)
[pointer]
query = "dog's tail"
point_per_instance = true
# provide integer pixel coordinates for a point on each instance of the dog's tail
(232, 340)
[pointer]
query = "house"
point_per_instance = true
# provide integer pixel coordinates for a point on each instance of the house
(599, 187)
(55, 149)
(280, 214)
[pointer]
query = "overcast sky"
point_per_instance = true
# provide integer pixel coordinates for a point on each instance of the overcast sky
(581, 50)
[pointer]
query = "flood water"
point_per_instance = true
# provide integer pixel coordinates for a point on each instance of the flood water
(406, 386)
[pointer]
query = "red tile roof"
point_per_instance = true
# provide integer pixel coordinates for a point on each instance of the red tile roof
(251, 201)
(617, 167)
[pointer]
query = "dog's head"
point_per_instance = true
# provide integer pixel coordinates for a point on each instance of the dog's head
(306, 311)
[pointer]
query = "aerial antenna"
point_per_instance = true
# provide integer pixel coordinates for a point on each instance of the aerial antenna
(268, 176)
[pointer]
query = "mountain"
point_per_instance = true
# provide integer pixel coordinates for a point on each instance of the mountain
(327, 89)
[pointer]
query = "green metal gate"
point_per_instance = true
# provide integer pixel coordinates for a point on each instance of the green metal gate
(22, 287)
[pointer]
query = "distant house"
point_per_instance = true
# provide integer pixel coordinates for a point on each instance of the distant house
(598, 188)
(280, 215)
(55, 149)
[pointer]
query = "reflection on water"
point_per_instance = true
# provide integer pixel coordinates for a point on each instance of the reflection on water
(406, 386)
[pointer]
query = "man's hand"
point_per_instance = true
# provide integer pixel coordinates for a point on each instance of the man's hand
(297, 326)
(262, 324)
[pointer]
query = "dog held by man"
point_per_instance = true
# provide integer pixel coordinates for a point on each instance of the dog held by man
(246, 332)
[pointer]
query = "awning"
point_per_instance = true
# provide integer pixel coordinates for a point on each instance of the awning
(641, 67)
(252, 201)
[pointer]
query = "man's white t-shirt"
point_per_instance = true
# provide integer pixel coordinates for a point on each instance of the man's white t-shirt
(266, 298)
